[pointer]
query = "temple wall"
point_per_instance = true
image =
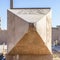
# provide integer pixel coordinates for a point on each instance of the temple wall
(56, 35)
(3, 36)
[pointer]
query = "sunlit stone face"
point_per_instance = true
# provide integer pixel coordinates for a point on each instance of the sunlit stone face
(30, 15)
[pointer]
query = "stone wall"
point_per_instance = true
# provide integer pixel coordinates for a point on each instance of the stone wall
(3, 36)
(56, 35)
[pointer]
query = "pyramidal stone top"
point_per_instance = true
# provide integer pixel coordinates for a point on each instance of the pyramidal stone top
(30, 15)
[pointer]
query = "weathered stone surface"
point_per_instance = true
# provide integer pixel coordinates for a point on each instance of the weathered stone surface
(16, 29)
(43, 29)
(30, 15)
(31, 43)
(29, 57)
(30, 11)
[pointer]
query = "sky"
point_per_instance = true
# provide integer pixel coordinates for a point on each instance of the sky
(53, 4)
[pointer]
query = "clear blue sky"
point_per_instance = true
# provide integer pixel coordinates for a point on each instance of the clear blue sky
(53, 4)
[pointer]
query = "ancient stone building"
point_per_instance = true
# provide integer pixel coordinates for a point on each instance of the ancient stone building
(28, 34)
(3, 41)
(3, 34)
(56, 35)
